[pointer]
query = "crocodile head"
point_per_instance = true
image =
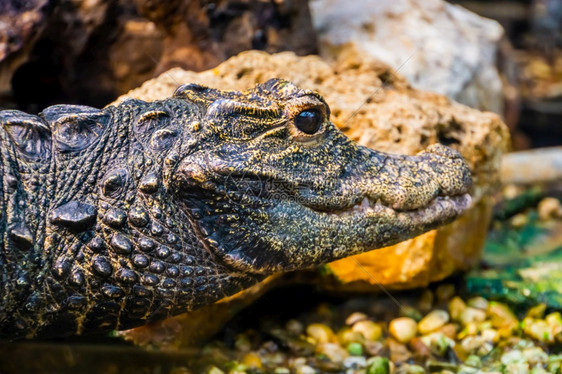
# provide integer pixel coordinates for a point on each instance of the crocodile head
(272, 185)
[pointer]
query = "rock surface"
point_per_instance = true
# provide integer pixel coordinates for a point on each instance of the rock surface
(438, 46)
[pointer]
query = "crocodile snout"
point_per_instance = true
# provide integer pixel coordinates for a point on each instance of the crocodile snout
(412, 182)
(450, 168)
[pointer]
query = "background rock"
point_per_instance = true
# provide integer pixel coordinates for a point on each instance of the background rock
(91, 51)
(438, 46)
(74, 58)
(20, 22)
(200, 35)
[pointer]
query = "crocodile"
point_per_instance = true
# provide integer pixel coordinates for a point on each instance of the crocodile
(113, 218)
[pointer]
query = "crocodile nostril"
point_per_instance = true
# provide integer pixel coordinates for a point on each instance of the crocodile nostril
(454, 178)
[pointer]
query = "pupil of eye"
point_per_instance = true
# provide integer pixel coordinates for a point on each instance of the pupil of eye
(308, 121)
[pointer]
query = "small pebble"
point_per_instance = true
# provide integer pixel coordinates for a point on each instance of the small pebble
(456, 307)
(347, 335)
(433, 321)
(305, 369)
(549, 208)
(378, 365)
(373, 348)
(512, 357)
(425, 302)
(242, 343)
(485, 348)
(537, 311)
(297, 361)
(321, 333)
(470, 344)
(355, 349)
(471, 315)
(517, 368)
(355, 362)
(465, 369)
(490, 335)
(510, 191)
(403, 329)
(470, 329)
(419, 348)
(478, 302)
(437, 343)
(252, 360)
(398, 352)
(554, 319)
(449, 330)
(441, 367)
(214, 370)
(501, 315)
(538, 329)
(411, 369)
(474, 361)
(355, 317)
(294, 327)
(518, 220)
(535, 356)
(333, 351)
(369, 329)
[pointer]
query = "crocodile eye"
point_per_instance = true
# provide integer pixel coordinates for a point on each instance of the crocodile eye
(308, 121)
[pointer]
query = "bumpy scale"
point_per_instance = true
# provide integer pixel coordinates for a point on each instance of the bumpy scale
(113, 218)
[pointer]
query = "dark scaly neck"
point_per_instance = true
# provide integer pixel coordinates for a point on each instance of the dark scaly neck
(24, 200)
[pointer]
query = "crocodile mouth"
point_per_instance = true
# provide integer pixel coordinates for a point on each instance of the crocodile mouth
(439, 206)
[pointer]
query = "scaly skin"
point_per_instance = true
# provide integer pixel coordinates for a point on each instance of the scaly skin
(113, 218)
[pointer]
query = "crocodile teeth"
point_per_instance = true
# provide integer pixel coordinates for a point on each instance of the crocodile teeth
(365, 203)
(363, 206)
